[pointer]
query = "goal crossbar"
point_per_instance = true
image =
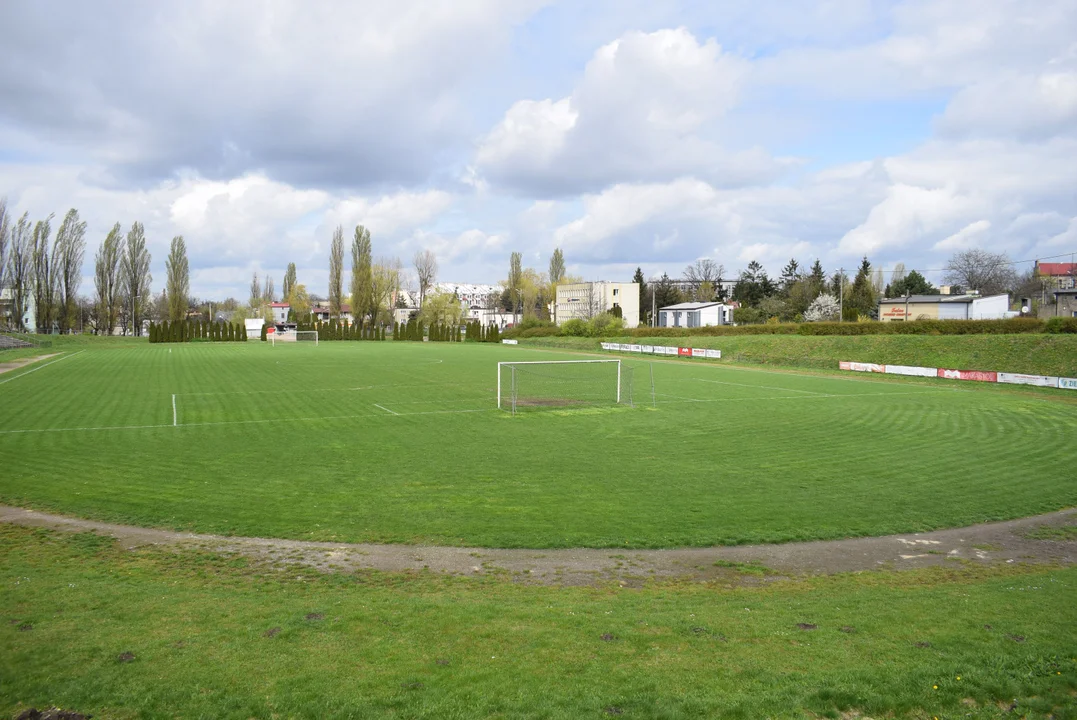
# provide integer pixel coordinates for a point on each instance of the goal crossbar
(513, 389)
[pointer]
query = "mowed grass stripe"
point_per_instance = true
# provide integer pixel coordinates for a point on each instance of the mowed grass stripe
(265, 447)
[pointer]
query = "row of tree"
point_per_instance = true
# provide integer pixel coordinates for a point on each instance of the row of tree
(475, 331)
(188, 330)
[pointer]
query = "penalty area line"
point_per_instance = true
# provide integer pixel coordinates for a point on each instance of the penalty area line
(386, 409)
(174, 423)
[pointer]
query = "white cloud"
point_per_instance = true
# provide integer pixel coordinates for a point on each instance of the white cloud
(963, 238)
(643, 111)
(1025, 106)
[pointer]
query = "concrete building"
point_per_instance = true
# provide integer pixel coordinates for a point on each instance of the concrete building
(7, 309)
(253, 327)
(1064, 305)
(945, 307)
(695, 314)
(280, 311)
(584, 301)
(471, 295)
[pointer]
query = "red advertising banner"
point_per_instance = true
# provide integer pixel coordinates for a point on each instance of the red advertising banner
(686, 352)
(977, 375)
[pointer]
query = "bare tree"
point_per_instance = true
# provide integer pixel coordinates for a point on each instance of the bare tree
(269, 293)
(703, 274)
(362, 293)
(135, 269)
(426, 271)
(256, 292)
(975, 269)
(5, 232)
(44, 276)
(515, 277)
(179, 280)
(70, 251)
(107, 280)
(22, 268)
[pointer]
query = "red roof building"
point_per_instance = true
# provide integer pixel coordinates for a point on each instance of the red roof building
(1064, 274)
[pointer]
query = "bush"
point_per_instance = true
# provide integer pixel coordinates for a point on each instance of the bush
(1058, 325)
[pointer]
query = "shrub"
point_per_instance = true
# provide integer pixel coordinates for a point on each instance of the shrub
(575, 328)
(264, 337)
(1061, 325)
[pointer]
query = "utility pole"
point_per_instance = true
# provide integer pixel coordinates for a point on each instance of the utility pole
(841, 294)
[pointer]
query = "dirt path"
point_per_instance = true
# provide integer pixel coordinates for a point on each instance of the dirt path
(992, 543)
(23, 362)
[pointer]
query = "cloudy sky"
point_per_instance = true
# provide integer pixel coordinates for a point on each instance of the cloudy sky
(627, 132)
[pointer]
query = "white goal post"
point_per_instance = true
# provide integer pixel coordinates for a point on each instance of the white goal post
(562, 383)
(297, 336)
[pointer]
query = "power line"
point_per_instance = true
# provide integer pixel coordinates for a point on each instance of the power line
(1011, 262)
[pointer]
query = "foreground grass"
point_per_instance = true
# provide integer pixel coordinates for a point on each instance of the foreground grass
(1034, 354)
(395, 442)
(204, 635)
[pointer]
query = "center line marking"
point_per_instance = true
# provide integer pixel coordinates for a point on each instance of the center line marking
(385, 409)
(174, 423)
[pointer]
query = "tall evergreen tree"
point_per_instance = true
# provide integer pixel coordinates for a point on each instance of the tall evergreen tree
(289, 281)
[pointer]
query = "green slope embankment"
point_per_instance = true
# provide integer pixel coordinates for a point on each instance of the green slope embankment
(1040, 354)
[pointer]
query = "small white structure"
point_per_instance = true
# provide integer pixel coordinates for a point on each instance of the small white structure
(254, 328)
(695, 314)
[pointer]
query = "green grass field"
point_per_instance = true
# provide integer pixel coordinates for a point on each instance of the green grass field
(401, 442)
(217, 636)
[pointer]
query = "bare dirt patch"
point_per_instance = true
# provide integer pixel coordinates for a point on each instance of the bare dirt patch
(50, 714)
(15, 365)
(1009, 541)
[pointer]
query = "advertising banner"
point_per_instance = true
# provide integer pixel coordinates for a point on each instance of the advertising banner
(862, 367)
(714, 354)
(1021, 379)
(632, 348)
(1068, 383)
(606, 346)
(665, 350)
(647, 349)
(684, 352)
(911, 370)
(510, 342)
(976, 375)
(699, 352)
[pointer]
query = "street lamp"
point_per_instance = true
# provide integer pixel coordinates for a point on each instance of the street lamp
(907, 293)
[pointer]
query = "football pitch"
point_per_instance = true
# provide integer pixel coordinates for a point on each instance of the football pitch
(403, 443)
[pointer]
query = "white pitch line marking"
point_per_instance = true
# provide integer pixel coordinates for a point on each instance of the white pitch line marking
(174, 423)
(386, 409)
(51, 362)
(245, 422)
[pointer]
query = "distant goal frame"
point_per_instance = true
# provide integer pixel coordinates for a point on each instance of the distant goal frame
(501, 364)
(274, 338)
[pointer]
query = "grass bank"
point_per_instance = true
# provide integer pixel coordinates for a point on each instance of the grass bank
(1039, 354)
(186, 633)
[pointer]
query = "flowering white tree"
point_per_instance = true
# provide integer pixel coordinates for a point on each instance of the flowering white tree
(824, 307)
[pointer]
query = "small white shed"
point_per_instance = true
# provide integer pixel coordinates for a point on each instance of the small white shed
(254, 328)
(695, 314)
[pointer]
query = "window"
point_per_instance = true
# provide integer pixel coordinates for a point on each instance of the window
(693, 318)
(615, 291)
(616, 304)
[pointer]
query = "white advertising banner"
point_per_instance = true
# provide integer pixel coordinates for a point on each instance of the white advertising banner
(1068, 383)
(647, 349)
(862, 367)
(699, 352)
(912, 370)
(1022, 379)
(714, 354)
(510, 342)
(632, 348)
(606, 346)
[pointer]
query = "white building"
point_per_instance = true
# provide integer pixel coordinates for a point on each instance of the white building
(254, 328)
(280, 312)
(695, 314)
(945, 307)
(7, 308)
(584, 301)
(470, 295)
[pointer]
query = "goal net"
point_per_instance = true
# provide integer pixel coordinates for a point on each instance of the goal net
(291, 337)
(562, 384)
